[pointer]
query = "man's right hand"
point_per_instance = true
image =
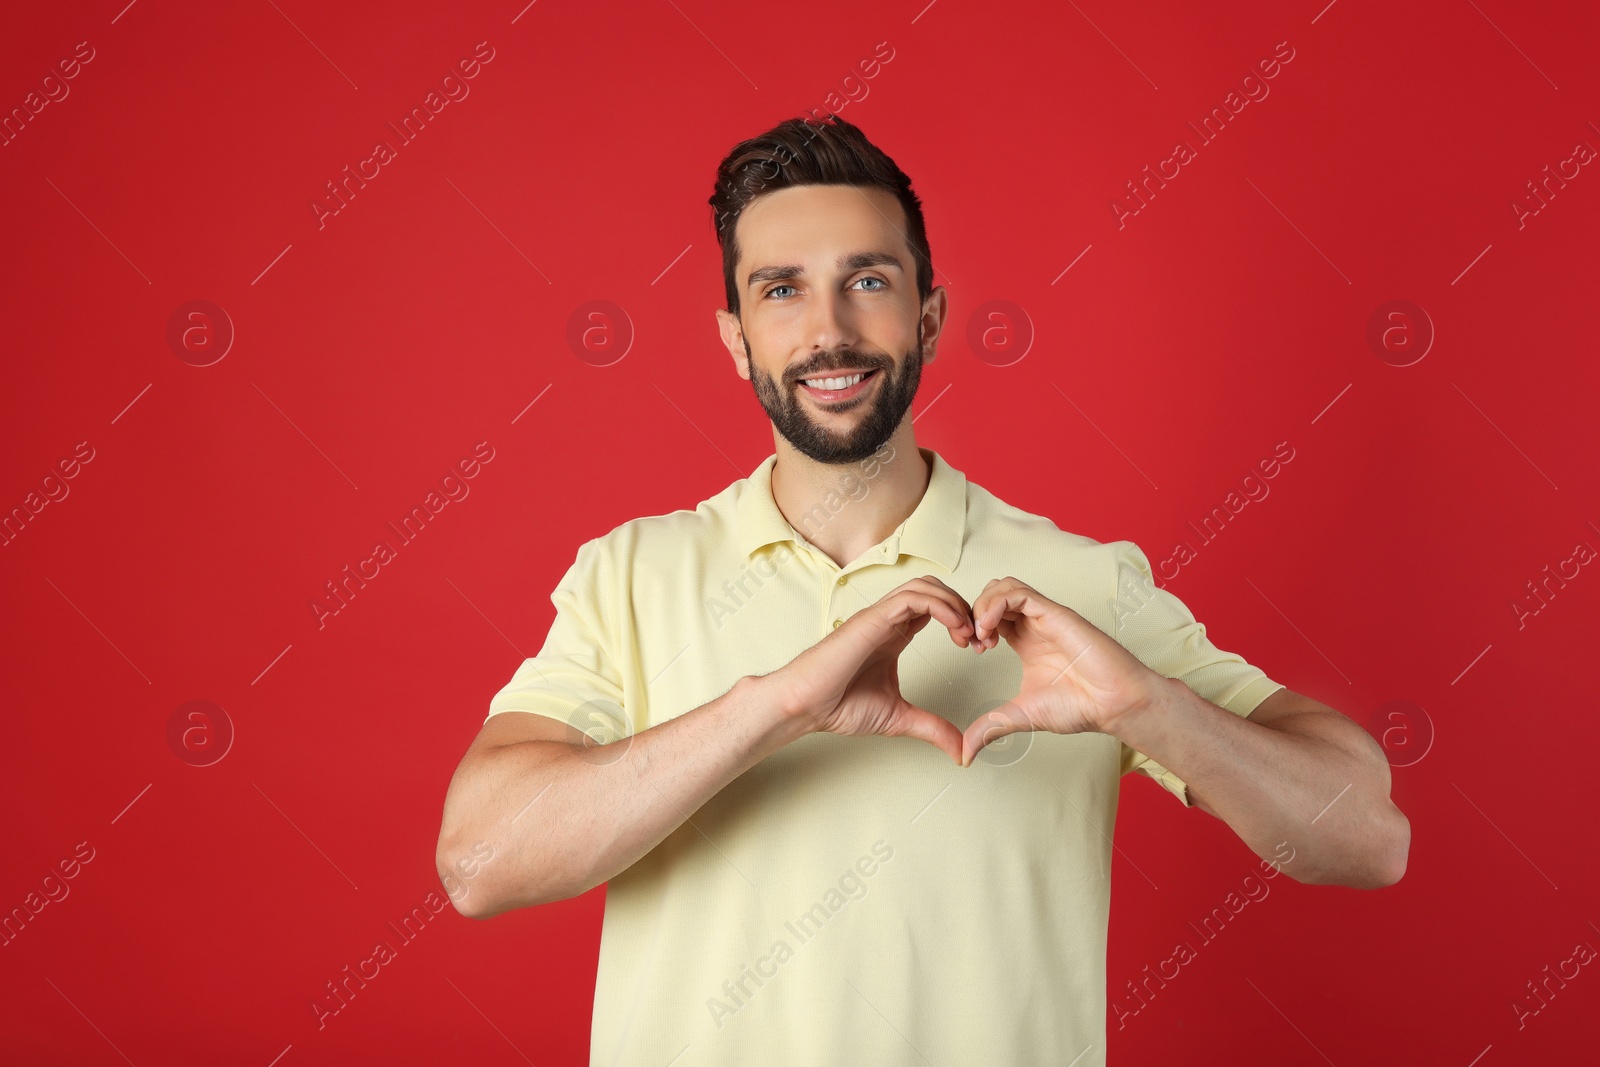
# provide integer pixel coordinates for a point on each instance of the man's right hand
(849, 682)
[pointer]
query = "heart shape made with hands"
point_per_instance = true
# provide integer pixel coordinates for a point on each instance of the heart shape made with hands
(1075, 677)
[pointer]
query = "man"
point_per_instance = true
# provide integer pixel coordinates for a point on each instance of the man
(834, 833)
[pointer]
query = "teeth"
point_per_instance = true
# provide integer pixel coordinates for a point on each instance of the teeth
(831, 384)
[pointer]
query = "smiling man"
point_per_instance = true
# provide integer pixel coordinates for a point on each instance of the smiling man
(831, 832)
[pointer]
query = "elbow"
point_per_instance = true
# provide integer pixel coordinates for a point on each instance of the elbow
(482, 883)
(482, 902)
(488, 866)
(1398, 851)
(1377, 862)
(1386, 854)
(472, 909)
(466, 874)
(473, 898)
(447, 864)
(470, 902)
(1385, 846)
(477, 906)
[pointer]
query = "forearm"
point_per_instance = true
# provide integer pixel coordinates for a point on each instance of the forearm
(564, 818)
(1315, 780)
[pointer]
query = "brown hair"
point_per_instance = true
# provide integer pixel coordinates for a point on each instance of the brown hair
(809, 151)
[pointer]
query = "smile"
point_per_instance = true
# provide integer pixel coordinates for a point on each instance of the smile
(841, 387)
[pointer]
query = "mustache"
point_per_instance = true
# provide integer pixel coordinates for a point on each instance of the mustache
(837, 367)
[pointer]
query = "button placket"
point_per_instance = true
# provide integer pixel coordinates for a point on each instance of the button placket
(837, 612)
(833, 605)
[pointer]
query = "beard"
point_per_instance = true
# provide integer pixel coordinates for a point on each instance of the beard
(889, 401)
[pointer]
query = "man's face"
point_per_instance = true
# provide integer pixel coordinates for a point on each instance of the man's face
(828, 291)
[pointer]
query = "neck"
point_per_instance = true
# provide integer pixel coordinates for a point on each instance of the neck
(846, 508)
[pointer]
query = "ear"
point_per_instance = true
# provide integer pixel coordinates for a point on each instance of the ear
(931, 324)
(733, 338)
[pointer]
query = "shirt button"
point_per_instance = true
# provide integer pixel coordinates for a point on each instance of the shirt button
(836, 623)
(842, 579)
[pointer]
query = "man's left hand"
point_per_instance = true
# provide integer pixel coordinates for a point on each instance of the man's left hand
(1075, 678)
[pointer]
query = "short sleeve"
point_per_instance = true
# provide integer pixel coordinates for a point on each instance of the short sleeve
(574, 677)
(1160, 630)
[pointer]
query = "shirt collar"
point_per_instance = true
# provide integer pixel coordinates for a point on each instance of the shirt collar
(933, 531)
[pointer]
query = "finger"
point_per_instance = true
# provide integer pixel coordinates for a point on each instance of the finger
(935, 587)
(991, 726)
(907, 604)
(1003, 595)
(924, 725)
(888, 626)
(1005, 628)
(913, 626)
(963, 635)
(997, 600)
(961, 601)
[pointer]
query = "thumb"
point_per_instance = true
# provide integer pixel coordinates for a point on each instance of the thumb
(991, 726)
(924, 725)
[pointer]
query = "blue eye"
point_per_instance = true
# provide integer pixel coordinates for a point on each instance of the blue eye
(878, 288)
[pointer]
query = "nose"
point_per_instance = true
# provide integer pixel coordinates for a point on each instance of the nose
(830, 322)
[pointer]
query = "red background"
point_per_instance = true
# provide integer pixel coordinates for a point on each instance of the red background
(373, 353)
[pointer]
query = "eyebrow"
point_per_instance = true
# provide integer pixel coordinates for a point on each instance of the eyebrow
(849, 262)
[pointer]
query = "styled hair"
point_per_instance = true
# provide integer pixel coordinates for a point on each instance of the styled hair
(809, 151)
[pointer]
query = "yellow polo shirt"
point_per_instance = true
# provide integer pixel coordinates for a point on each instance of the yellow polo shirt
(858, 899)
